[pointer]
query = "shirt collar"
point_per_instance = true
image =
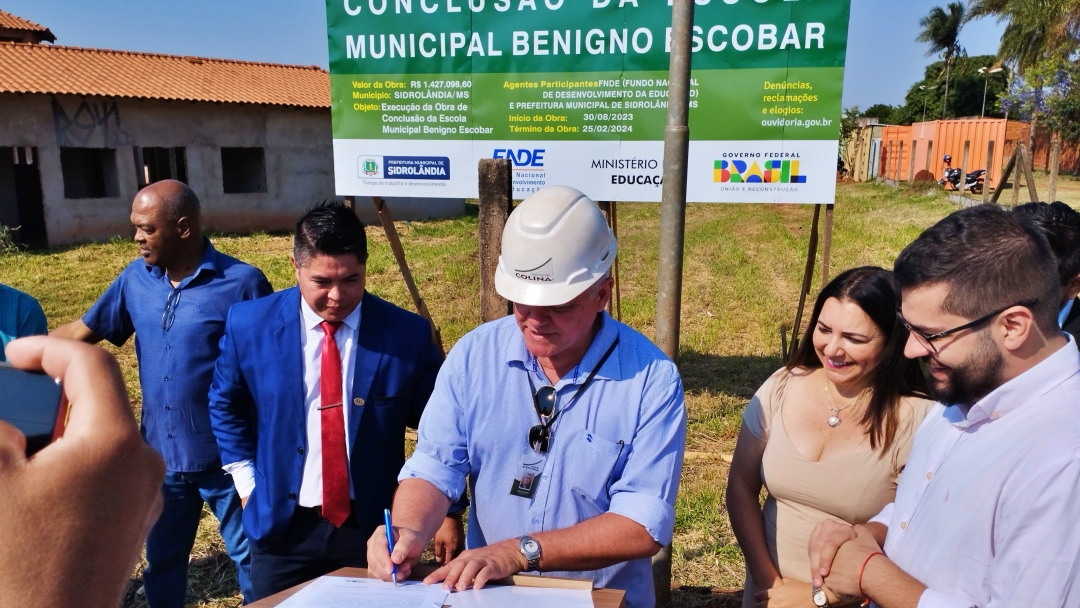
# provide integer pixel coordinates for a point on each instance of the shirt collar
(209, 261)
(1065, 310)
(1021, 390)
(518, 355)
(312, 320)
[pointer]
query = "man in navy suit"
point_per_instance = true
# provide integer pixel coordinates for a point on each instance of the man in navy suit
(311, 396)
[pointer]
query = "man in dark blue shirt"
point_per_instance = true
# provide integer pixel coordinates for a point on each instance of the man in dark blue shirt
(175, 300)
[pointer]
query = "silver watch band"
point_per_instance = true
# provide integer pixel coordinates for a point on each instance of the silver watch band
(530, 548)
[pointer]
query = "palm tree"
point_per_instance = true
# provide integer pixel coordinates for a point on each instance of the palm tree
(1037, 29)
(941, 30)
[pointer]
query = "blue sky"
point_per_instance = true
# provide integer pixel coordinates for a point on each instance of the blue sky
(883, 59)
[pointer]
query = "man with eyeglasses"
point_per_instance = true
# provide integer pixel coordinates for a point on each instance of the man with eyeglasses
(175, 299)
(567, 425)
(985, 512)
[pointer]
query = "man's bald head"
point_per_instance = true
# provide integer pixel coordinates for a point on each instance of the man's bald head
(165, 215)
(174, 198)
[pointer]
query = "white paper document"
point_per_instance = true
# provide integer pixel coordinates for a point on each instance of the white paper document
(345, 592)
(520, 597)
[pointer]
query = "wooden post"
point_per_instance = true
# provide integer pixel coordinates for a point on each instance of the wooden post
(496, 202)
(615, 266)
(605, 208)
(808, 276)
(399, 254)
(986, 177)
(1016, 179)
(1026, 158)
(826, 246)
(608, 208)
(1004, 179)
(963, 167)
(1055, 163)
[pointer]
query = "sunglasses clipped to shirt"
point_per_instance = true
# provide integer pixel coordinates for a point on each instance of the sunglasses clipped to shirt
(546, 403)
(545, 400)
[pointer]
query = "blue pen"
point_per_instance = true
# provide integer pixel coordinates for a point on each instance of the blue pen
(390, 541)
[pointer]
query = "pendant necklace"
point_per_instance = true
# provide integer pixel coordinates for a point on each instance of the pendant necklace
(834, 418)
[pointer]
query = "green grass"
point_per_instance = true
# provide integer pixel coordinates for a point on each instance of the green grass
(743, 269)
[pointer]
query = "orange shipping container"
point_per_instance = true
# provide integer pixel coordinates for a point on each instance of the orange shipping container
(985, 143)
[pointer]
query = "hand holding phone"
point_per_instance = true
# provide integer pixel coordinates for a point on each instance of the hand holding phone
(35, 404)
(76, 514)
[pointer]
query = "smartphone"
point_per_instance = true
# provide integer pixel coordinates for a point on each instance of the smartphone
(35, 404)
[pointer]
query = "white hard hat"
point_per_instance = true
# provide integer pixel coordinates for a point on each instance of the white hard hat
(555, 245)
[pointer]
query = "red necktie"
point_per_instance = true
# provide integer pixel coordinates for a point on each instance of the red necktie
(335, 463)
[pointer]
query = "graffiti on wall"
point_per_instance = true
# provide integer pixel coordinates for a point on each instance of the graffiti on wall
(88, 123)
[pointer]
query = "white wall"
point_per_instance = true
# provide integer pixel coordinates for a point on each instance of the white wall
(296, 141)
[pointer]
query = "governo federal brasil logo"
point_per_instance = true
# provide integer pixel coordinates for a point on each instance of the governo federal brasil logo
(741, 172)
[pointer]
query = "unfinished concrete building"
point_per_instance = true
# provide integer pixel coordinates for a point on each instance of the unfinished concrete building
(84, 129)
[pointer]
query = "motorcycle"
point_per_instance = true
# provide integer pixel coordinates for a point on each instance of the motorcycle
(973, 181)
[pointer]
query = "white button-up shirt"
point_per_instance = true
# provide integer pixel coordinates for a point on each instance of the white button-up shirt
(311, 340)
(986, 511)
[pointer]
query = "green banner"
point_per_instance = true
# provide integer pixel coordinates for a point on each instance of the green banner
(536, 71)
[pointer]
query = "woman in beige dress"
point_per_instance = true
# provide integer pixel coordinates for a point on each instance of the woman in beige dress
(827, 435)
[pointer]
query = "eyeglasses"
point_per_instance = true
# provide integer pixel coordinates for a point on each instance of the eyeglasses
(928, 341)
(544, 400)
(171, 303)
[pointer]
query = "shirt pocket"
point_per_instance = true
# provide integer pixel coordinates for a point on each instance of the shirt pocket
(595, 463)
(391, 411)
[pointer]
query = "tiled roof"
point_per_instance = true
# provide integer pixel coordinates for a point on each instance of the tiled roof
(13, 22)
(18, 23)
(35, 68)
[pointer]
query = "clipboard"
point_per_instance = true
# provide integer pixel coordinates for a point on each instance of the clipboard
(602, 598)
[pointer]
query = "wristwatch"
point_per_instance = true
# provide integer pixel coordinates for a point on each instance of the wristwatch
(531, 550)
(819, 597)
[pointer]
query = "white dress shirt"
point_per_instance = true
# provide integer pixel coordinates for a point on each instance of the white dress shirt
(986, 510)
(311, 340)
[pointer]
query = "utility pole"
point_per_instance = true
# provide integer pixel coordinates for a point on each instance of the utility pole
(924, 89)
(986, 81)
(673, 223)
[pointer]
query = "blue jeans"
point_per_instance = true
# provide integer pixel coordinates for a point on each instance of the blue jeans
(168, 547)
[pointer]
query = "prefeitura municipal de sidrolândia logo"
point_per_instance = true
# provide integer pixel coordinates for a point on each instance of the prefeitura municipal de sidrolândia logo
(369, 166)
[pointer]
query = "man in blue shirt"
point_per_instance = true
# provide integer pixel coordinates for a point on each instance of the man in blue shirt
(175, 300)
(20, 316)
(568, 425)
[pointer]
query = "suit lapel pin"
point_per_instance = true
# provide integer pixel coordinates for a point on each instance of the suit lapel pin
(358, 401)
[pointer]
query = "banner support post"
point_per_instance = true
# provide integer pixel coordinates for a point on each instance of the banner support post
(808, 278)
(673, 224)
(608, 208)
(399, 254)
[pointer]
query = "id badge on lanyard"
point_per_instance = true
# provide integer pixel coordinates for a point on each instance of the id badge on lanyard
(528, 478)
(533, 460)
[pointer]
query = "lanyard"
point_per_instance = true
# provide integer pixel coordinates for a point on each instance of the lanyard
(581, 389)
